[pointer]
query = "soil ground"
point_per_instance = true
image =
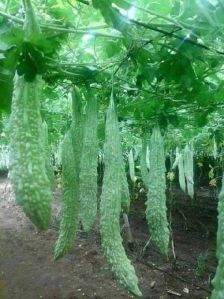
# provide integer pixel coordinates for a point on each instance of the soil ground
(27, 269)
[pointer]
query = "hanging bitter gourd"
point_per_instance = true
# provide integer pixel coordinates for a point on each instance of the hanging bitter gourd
(88, 167)
(179, 161)
(70, 201)
(143, 166)
(48, 162)
(27, 160)
(147, 157)
(177, 157)
(125, 195)
(156, 198)
(131, 164)
(71, 154)
(110, 206)
(182, 181)
(77, 128)
(218, 281)
(188, 156)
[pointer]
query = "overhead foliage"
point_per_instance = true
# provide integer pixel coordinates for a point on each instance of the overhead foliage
(165, 65)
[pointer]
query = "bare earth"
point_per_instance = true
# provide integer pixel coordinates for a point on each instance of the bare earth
(27, 269)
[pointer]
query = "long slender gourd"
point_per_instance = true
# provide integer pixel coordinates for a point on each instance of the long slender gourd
(143, 165)
(131, 164)
(110, 207)
(188, 156)
(88, 167)
(156, 198)
(182, 181)
(71, 155)
(218, 281)
(48, 163)
(70, 203)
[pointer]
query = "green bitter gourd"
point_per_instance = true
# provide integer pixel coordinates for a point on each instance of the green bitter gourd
(156, 198)
(88, 167)
(182, 181)
(48, 162)
(27, 160)
(125, 195)
(188, 156)
(70, 156)
(110, 206)
(218, 281)
(70, 204)
(143, 165)
(131, 164)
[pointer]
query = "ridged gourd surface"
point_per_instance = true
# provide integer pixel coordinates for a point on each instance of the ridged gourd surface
(218, 281)
(69, 202)
(182, 180)
(143, 165)
(70, 156)
(88, 167)
(131, 164)
(48, 162)
(156, 198)
(110, 207)
(188, 156)
(27, 160)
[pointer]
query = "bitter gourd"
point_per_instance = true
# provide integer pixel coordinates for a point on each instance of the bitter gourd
(218, 281)
(110, 207)
(77, 127)
(48, 163)
(131, 164)
(88, 167)
(125, 195)
(147, 157)
(70, 201)
(71, 154)
(177, 157)
(143, 166)
(27, 160)
(188, 156)
(179, 161)
(182, 181)
(156, 197)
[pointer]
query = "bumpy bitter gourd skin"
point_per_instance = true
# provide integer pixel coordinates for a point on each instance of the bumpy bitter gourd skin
(125, 195)
(70, 202)
(88, 167)
(110, 207)
(131, 164)
(48, 163)
(77, 128)
(218, 281)
(182, 180)
(188, 156)
(27, 160)
(156, 197)
(71, 156)
(143, 165)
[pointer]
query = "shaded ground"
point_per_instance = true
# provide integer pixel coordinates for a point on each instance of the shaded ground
(27, 269)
